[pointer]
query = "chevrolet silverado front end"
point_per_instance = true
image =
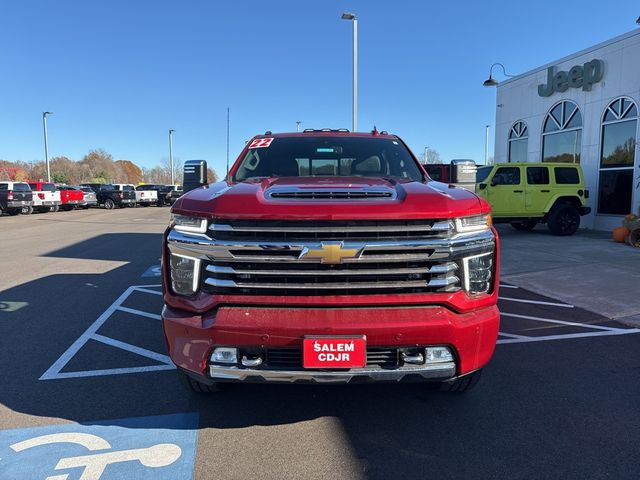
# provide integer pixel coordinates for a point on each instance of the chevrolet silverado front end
(329, 256)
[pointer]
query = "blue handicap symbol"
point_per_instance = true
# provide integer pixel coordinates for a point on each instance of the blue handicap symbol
(153, 271)
(154, 448)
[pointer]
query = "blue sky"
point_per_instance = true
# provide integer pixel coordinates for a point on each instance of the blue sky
(118, 74)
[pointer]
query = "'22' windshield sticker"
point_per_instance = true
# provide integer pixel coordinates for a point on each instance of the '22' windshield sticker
(261, 143)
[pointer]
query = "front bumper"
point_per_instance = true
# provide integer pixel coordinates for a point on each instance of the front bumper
(443, 371)
(191, 338)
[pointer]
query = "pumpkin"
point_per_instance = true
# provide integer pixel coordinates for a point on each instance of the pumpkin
(620, 234)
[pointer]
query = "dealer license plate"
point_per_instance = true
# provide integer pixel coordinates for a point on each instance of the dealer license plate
(334, 352)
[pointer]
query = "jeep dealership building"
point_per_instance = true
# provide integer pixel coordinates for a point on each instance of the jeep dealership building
(582, 108)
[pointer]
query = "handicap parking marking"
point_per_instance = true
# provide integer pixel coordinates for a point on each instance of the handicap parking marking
(161, 362)
(152, 271)
(529, 317)
(154, 448)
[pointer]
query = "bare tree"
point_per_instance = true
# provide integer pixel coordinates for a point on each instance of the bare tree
(432, 156)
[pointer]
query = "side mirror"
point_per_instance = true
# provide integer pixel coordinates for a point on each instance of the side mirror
(496, 181)
(482, 186)
(195, 174)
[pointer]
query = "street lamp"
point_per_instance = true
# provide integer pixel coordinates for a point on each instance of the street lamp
(491, 82)
(171, 155)
(46, 146)
(352, 17)
(298, 122)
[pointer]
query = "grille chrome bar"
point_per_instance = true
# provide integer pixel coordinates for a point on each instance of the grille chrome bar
(214, 282)
(226, 270)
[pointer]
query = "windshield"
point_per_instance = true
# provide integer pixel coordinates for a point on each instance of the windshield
(482, 173)
(323, 156)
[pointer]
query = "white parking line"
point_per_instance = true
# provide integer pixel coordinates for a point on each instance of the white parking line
(568, 336)
(511, 335)
(562, 322)
(139, 312)
(54, 371)
(131, 348)
(536, 302)
(145, 290)
(508, 286)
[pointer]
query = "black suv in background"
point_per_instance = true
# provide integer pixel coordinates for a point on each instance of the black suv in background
(107, 195)
(15, 197)
(175, 193)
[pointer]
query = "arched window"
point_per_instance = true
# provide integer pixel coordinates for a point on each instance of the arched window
(617, 157)
(562, 133)
(518, 142)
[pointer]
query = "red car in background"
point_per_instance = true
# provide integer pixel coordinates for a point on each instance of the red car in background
(70, 197)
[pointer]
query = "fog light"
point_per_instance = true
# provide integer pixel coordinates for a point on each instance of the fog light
(478, 273)
(438, 354)
(184, 274)
(224, 355)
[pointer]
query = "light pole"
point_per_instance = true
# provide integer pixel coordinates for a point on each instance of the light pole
(298, 122)
(486, 144)
(354, 19)
(171, 156)
(426, 151)
(46, 144)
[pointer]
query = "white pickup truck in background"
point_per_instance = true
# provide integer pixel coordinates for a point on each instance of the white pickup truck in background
(46, 198)
(143, 197)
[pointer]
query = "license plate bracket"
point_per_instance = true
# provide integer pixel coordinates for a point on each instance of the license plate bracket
(334, 351)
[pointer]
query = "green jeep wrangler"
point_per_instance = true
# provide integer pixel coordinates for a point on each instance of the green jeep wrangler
(525, 194)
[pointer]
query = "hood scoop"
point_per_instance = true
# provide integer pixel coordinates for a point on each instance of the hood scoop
(297, 193)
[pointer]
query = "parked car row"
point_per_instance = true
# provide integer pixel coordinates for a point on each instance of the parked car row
(40, 196)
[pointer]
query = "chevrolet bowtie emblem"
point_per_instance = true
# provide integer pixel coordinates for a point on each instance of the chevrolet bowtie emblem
(331, 253)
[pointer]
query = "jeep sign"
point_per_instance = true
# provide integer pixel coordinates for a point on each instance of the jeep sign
(578, 76)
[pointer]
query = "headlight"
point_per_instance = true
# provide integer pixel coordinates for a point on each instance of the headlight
(183, 223)
(478, 273)
(185, 273)
(477, 223)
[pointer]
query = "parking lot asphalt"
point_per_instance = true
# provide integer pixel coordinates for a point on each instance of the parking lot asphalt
(83, 363)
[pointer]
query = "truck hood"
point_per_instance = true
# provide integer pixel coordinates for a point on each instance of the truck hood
(329, 198)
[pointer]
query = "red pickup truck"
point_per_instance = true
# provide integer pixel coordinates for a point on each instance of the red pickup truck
(70, 197)
(330, 257)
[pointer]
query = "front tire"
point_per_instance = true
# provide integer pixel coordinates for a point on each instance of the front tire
(564, 220)
(109, 204)
(524, 225)
(462, 384)
(199, 387)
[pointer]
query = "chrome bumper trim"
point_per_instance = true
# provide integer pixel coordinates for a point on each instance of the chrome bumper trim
(440, 371)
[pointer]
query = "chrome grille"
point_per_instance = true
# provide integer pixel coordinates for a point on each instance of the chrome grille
(290, 258)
